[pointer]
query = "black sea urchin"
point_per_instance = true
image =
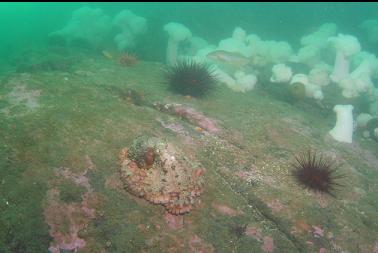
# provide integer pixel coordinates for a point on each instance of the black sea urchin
(316, 173)
(191, 78)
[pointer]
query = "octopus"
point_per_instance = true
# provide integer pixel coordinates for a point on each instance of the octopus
(158, 172)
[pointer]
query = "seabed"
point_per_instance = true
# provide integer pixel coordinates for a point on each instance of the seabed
(61, 132)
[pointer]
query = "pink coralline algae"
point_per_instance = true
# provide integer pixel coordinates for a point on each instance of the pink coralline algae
(66, 220)
(318, 231)
(225, 210)
(309, 243)
(267, 241)
(174, 127)
(21, 95)
(197, 245)
(177, 129)
(191, 115)
(156, 171)
(268, 245)
(174, 221)
(254, 233)
(276, 206)
(375, 248)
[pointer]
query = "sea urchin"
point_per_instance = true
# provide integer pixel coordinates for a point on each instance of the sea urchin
(128, 59)
(191, 78)
(316, 173)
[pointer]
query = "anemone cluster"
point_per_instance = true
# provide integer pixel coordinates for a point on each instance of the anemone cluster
(93, 27)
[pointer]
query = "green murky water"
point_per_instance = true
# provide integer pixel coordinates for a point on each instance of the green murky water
(184, 127)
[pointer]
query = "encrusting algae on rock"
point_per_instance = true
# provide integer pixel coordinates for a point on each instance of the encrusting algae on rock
(68, 219)
(156, 171)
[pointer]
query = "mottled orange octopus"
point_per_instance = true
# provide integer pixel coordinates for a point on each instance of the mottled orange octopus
(156, 171)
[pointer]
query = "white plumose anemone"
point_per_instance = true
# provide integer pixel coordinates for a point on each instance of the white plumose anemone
(343, 130)
(177, 32)
(281, 73)
(346, 46)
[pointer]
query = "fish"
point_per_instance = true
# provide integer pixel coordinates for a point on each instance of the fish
(107, 54)
(231, 58)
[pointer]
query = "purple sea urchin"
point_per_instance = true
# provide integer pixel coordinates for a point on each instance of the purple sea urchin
(191, 78)
(316, 173)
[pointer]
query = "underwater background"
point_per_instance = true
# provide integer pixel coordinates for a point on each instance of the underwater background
(27, 24)
(189, 127)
